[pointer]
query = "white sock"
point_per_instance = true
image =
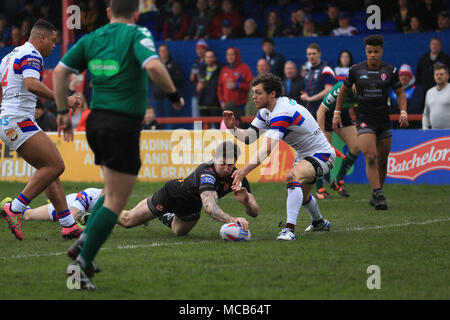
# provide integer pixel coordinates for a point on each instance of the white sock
(313, 209)
(17, 206)
(293, 202)
(67, 221)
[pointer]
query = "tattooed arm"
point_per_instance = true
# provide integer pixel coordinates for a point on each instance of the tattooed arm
(210, 200)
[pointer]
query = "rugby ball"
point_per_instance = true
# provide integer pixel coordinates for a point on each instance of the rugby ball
(233, 232)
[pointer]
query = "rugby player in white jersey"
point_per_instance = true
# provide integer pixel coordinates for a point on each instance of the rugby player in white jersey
(21, 75)
(286, 120)
(80, 205)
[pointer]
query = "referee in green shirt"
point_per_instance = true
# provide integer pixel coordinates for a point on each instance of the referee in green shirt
(119, 56)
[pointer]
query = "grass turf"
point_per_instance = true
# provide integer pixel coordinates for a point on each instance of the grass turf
(409, 242)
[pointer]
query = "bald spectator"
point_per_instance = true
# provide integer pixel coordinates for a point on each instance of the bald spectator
(436, 114)
(262, 66)
(293, 83)
(424, 71)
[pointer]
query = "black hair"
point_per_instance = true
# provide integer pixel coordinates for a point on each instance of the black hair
(349, 54)
(44, 25)
(374, 40)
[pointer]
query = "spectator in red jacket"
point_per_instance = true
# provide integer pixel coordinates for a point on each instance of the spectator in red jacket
(234, 80)
(227, 13)
(177, 23)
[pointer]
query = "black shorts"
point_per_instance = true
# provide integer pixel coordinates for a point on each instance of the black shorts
(345, 118)
(114, 139)
(381, 129)
(161, 202)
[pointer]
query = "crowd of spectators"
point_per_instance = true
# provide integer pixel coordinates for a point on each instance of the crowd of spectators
(217, 85)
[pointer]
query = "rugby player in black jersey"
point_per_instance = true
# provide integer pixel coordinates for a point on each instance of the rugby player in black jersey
(373, 78)
(178, 203)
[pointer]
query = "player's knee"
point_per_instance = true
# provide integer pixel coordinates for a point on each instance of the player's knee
(59, 168)
(290, 177)
(371, 159)
(179, 232)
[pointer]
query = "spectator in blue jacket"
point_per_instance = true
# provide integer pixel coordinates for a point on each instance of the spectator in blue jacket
(415, 96)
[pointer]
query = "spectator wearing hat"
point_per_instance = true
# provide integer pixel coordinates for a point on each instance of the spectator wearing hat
(309, 27)
(200, 49)
(227, 31)
(345, 29)
(45, 119)
(177, 23)
(227, 13)
(414, 95)
(436, 114)
(276, 61)
(200, 22)
(424, 71)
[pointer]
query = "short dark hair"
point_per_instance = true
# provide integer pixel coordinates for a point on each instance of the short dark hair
(270, 83)
(374, 40)
(123, 9)
(439, 66)
(226, 150)
(268, 40)
(44, 25)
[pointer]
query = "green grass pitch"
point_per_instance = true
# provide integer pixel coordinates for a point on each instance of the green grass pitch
(409, 243)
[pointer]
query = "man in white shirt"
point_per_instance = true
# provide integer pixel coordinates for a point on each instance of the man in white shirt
(436, 114)
(21, 75)
(284, 119)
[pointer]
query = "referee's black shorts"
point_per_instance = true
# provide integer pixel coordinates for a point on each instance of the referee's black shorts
(114, 139)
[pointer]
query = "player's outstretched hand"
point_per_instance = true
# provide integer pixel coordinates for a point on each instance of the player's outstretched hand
(242, 222)
(238, 176)
(228, 119)
(240, 193)
(65, 126)
(178, 105)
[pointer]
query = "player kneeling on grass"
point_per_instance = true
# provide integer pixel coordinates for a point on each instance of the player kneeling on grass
(80, 205)
(178, 203)
(286, 120)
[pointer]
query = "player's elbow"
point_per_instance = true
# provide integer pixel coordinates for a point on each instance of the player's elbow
(125, 220)
(30, 85)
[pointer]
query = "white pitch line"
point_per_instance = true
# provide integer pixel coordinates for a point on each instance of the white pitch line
(160, 244)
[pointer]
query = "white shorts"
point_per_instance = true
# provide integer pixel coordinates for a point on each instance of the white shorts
(323, 162)
(15, 130)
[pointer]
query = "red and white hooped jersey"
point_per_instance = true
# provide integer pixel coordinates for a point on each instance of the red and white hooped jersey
(295, 125)
(23, 62)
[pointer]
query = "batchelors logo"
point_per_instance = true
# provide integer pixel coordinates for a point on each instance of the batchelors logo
(425, 157)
